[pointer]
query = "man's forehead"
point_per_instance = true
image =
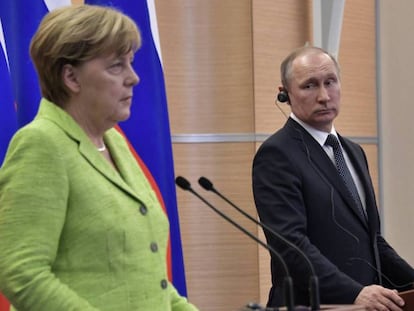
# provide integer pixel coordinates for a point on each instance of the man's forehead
(313, 65)
(312, 57)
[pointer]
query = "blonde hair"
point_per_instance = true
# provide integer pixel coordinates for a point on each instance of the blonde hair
(76, 34)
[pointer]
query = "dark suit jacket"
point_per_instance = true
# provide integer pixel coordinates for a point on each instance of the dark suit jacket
(299, 193)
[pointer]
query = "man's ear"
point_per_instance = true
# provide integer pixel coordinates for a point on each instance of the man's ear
(70, 79)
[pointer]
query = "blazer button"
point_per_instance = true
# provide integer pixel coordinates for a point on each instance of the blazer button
(143, 209)
(164, 284)
(154, 247)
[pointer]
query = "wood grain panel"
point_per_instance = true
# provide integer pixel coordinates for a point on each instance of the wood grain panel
(221, 263)
(207, 51)
(357, 57)
(278, 27)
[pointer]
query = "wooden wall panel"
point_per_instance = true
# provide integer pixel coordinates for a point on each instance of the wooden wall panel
(208, 64)
(221, 262)
(357, 57)
(278, 27)
(207, 55)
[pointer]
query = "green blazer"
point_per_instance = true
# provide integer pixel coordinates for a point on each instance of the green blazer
(75, 234)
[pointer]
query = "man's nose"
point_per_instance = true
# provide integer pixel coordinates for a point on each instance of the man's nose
(323, 94)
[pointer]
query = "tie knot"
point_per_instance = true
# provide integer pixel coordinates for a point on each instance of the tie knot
(332, 141)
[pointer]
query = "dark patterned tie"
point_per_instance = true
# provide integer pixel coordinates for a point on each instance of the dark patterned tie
(344, 172)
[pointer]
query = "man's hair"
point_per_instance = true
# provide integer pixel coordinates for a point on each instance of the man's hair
(74, 35)
(286, 65)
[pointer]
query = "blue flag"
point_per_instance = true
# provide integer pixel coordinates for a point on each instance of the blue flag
(8, 119)
(20, 20)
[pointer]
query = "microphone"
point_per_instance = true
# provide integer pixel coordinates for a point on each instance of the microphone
(287, 283)
(313, 280)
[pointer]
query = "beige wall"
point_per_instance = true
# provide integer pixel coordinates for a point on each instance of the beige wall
(207, 55)
(221, 61)
(396, 122)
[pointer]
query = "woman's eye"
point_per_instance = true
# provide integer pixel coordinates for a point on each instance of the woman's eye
(116, 67)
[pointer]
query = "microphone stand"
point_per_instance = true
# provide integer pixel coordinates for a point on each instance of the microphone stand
(287, 283)
(313, 279)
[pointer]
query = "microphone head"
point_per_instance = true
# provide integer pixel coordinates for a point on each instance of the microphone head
(183, 183)
(205, 183)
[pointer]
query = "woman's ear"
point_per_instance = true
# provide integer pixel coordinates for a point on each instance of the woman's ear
(69, 77)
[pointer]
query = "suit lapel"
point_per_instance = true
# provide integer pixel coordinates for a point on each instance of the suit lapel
(323, 165)
(359, 162)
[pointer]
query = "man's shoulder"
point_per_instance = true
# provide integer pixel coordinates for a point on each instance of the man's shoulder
(290, 131)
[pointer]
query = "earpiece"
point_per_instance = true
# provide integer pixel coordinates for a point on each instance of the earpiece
(283, 96)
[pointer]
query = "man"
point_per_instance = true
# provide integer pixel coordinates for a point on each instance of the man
(300, 193)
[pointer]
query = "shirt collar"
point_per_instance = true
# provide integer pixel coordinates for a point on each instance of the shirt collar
(318, 135)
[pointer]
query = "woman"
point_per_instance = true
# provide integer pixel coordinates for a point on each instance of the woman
(80, 227)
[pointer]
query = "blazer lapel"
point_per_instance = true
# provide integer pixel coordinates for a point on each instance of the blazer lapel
(92, 155)
(129, 168)
(86, 148)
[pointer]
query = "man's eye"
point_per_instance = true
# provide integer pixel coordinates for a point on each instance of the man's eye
(330, 82)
